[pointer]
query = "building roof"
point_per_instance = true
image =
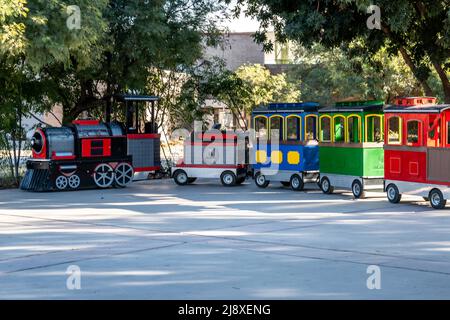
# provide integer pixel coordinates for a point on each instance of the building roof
(130, 97)
(288, 107)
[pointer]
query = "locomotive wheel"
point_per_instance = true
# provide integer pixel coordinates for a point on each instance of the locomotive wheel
(297, 183)
(228, 178)
(181, 178)
(393, 194)
(325, 185)
(104, 175)
(74, 181)
(285, 183)
(123, 174)
(437, 200)
(261, 181)
(61, 182)
(358, 190)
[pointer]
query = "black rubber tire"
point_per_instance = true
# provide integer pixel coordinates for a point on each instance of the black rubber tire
(191, 180)
(180, 177)
(437, 200)
(297, 183)
(326, 190)
(261, 185)
(228, 175)
(285, 183)
(358, 190)
(393, 194)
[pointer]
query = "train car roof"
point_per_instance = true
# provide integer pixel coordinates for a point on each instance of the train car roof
(355, 106)
(432, 108)
(130, 97)
(288, 107)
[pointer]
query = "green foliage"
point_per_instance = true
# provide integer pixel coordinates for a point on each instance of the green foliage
(330, 75)
(418, 29)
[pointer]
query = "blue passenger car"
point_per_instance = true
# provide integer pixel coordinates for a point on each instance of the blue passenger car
(286, 147)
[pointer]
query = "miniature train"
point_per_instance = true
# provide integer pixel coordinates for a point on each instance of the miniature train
(402, 148)
(88, 153)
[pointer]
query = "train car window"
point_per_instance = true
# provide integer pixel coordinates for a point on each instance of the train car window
(325, 129)
(374, 130)
(310, 128)
(413, 132)
(354, 129)
(394, 130)
(261, 127)
(293, 128)
(433, 136)
(276, 124)
(339, 129)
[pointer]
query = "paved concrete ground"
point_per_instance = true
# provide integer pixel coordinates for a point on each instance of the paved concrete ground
(155, 240)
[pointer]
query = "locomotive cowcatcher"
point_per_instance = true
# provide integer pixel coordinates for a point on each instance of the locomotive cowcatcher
(90, 153)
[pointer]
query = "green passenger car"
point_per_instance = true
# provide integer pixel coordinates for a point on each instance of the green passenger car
(351, 147)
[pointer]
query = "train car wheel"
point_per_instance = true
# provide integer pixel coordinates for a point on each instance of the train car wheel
(61, 182)
(228, 178)
(103, 175)
(297, 183)
(285, 183)
(358, 190)
(74, 181)
(325, 185)
(437, 200)
(181, 178)
(123, 174)
(393, 194)
(261, 181)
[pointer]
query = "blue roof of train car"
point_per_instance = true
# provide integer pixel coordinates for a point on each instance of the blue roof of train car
(288, 107)
(355, 106)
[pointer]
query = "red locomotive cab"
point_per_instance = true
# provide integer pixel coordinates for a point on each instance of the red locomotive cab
(417, 153)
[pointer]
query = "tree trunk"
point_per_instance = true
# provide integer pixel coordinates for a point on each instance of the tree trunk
(426, 88)
(444, 79)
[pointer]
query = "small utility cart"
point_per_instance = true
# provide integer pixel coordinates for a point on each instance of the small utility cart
(221, 156)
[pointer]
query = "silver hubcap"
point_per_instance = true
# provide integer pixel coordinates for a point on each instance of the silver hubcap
(295, 182)
(356, 189)
(104, 175)
(124, 174)
(228, 179)
(325, 185)
(61, 182)
(391, 193)
(435, 199)
(261, 179)
(182, 177)
(74, 181)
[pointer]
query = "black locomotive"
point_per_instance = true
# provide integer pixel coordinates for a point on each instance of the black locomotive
(89, 153)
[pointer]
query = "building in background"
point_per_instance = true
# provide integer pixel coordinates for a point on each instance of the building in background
(239, 48)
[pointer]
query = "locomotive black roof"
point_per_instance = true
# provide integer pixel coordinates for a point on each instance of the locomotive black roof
(355, 106)
(435, 108)
(288, 107)
(130, 97)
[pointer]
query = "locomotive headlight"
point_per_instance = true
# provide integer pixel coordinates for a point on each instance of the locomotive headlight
(37, 142)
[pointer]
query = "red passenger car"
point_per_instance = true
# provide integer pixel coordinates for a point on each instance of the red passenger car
(417, 150)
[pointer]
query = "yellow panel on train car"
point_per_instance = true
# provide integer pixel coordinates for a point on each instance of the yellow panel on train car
(293, 157)
(261, 156)
(277, 157)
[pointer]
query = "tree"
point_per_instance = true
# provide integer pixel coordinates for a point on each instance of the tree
(240, 91)
(418, 30)
(330, 75)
